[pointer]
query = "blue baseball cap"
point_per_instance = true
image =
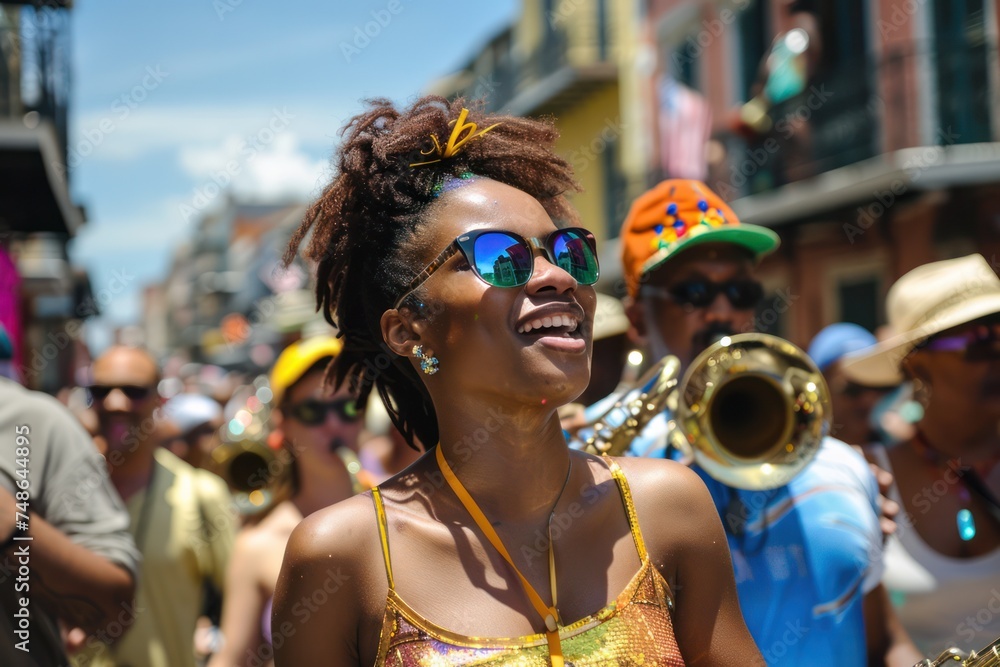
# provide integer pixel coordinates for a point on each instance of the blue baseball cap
(839, 339)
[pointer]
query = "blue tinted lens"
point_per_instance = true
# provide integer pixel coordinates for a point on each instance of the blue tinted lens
(502, 260)
(573, 253)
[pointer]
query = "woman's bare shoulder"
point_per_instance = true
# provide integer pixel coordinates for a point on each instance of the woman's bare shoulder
(335, 552)
(662, 479)
(672, 502)
(344, 531)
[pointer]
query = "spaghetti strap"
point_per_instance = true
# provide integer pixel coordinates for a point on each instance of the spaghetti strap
(383, 532)
(633, 520)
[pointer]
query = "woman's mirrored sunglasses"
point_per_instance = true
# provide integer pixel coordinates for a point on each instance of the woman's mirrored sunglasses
(506, 259)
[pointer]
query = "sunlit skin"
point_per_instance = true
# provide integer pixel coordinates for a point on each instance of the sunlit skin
(962, 422)
(495, 397)
(257, 553)
(127, 425)
(669, 328)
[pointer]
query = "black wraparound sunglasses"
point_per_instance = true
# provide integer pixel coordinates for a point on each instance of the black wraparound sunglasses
(312, 412)
(742, 293)
(506, 259)
(99, 392)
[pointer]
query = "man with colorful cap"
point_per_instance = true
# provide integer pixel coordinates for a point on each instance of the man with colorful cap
(807, 555)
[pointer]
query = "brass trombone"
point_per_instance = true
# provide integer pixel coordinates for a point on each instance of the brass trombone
(752, 410)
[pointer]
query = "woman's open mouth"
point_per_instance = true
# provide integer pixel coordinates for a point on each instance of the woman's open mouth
(557, 332)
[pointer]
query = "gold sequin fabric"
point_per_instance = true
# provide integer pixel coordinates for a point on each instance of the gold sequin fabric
(634, 629)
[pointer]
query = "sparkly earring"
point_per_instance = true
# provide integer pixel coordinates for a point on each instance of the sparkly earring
(428, 364)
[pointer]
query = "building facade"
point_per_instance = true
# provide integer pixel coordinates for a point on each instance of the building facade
(873, 149)
(44, 300)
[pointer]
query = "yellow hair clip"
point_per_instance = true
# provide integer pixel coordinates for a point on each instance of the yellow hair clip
(455, 141)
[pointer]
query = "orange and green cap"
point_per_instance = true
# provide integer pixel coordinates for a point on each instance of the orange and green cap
(675, 215)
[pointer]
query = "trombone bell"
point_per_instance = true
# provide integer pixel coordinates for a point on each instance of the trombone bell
(754, 409)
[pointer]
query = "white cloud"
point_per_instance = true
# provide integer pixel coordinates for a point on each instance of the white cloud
(256, 170)
(120, 133)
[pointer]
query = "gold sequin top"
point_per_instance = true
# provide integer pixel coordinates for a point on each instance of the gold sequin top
(633, 629)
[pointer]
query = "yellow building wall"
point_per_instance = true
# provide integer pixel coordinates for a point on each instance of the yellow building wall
(583, 138)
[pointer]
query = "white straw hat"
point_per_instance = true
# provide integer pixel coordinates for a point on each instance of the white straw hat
(929, 299)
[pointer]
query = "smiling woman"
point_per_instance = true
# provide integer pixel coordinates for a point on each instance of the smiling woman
(451, 262)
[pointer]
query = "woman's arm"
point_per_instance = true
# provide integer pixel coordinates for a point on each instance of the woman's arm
(244, 602)
(325, 584)
(685, 537)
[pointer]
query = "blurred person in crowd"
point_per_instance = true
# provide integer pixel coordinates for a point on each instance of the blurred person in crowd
(807, 555)
(319, 431)
(943, 565)
(464, 291)
(853, 403)
(182, 519)
(81, 560)
(198, 418)
(384, 452)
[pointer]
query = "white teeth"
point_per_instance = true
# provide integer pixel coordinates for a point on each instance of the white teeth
(550, 322)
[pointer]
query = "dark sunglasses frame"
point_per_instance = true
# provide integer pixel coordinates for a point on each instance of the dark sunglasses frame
(134, 392)
(731, 288)
(978, 343)
(322, 409)
(466, 244)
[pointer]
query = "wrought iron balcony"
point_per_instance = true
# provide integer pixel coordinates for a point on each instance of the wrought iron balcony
(912, 98)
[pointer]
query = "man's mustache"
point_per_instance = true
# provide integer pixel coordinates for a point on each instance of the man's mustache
(712, 334)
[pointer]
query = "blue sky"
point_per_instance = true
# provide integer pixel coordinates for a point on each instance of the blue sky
(170, 98)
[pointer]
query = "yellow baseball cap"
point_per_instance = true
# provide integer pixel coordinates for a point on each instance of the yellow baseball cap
(297, 358)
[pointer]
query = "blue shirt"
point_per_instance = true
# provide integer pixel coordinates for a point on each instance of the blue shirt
(804, 554)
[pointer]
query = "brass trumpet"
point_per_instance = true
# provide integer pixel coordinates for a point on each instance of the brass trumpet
(752, 410)
(988, 657)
